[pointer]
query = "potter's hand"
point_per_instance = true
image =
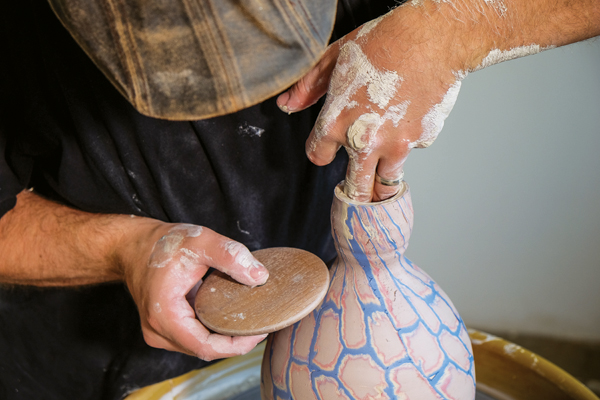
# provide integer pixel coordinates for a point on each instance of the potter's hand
(177, 263)
(48, 244)
(388, 93)
(392, 82)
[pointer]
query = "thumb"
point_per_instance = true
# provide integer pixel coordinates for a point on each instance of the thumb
(235, 260)
(312, 86)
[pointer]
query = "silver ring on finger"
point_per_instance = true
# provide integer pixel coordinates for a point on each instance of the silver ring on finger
(389, 182)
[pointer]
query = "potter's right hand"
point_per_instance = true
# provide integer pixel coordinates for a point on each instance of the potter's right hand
(165, 279)
(391, 83)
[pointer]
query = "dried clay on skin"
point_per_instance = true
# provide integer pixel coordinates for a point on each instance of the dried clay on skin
(189, 259)
(497, 5)
(497, 56)
(243, 257)
(361, 134)
(368, 26)
(358, 135)
(361, 137)
(353, 72)
(167, 246)
(471, 7)
(188, 229)
(433, 122)
(163, 250)
(354, 168)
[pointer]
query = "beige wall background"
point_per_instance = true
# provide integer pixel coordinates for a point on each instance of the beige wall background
(507, 200)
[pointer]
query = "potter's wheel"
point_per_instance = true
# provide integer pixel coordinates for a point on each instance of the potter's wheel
(254, 394)
(504, 371)
(232, 379)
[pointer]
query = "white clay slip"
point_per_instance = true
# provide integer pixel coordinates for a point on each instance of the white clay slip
(497, 56)
(353, 72)
(433, 122)
(167, 246)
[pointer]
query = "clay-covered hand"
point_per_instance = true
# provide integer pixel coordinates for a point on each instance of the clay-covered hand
(392, 82)
(165, 284)
(390, 88)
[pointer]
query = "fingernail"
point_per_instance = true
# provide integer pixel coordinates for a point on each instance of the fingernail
(282, 101)
(258, 272)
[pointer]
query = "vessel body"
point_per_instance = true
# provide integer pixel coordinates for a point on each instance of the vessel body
(385, 329)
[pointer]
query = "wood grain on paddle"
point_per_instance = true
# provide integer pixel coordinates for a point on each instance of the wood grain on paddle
(298, 281)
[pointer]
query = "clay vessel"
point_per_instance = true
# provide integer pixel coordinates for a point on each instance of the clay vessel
(385, 329)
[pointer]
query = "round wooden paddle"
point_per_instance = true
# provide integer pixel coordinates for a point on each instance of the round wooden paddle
(298, 281)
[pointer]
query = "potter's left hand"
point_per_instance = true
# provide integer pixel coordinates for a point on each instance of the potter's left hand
(164, 282)
(392, 82)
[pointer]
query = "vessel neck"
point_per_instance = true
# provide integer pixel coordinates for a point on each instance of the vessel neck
(372, 229)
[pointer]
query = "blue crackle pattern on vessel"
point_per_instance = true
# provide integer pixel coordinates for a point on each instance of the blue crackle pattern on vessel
(385, 329)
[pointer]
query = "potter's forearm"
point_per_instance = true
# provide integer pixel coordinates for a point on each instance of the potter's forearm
(551, 22)
(528, 26)
(47, 244)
